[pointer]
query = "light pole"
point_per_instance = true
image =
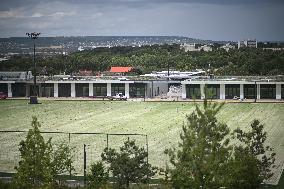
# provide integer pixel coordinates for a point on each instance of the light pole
(33, 99)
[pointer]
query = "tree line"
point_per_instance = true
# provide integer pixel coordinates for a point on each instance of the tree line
(245, 61)
(208, 155)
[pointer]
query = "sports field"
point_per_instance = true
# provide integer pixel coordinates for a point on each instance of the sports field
(161, 121)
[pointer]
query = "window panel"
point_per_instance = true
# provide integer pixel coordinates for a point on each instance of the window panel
(193, 91)
(249, 91)
(214, 91)
(137, 90)
(268, 91)
(100, 89)
(117, 88)
(232, 90)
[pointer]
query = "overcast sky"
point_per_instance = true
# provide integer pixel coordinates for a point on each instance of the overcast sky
(204, 19)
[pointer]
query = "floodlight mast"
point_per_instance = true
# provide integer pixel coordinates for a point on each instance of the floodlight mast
(34, 36)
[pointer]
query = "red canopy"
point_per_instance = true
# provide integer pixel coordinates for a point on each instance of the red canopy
(120, 69)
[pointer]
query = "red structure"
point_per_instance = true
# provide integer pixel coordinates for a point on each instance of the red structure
(121, 69)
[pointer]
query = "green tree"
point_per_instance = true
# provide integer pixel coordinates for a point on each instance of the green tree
(98, 176)
(202, 155)
(129, 165)
(40, 163)
(252, 161)
(245, 61)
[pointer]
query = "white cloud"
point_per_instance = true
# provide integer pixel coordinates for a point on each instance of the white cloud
(37, 15)
(12, 13)
(62, 14)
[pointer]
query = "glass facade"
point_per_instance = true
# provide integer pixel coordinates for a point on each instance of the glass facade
(117, 88)
(268, 91)
(282, 91)
(137, 90)
(82, 89)
(100, 89)
(64, 90)
(47, 89)
(213, 91)
(193, 91)
(19, 89)
(232, 90)
(32, 90)
(249, 91)
(4, 88)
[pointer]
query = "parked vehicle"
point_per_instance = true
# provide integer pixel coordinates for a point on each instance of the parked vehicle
(118, 96)
(3, 95)
(236, 98)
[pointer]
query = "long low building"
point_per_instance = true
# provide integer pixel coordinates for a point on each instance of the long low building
(230, 88)
(87, 87)
(137, 87)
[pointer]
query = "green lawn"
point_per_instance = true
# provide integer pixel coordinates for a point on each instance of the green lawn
(161, 121)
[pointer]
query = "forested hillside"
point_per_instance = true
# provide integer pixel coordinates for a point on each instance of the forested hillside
(156, 58)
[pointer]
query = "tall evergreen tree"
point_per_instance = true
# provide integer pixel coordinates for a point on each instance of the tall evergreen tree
(252, 161)
(129, 165)
(40, 163)
(203, 153)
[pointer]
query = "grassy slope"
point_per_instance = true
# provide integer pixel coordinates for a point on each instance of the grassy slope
(160, 121)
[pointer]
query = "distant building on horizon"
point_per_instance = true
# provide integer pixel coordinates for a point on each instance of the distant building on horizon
(251, 43)
(227, 47)
(195, 47)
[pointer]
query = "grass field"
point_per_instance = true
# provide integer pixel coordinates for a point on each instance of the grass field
(161, 121)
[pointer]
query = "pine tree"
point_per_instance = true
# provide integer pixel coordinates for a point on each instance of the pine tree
(252, 161)
(98, 176)
(40, 163)
(129, 165)
(203, 153)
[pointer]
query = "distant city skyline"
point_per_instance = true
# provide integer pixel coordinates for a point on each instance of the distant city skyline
(227, 20)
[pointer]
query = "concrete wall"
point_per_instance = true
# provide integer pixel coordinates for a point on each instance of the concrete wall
(160, 89)
(73, 90)
(10, 90)
(156, 88)
(222, 91)
(241, 91)
(91, 89)
(258, 91)
(148, 90)
(55, 89)
(183, 91)
(127, 90)
(108, 89)
(278, 91)
(202, 92)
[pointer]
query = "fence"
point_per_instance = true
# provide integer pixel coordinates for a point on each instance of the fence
(85, 152)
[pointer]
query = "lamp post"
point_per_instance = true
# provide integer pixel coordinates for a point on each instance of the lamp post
(34, 36)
